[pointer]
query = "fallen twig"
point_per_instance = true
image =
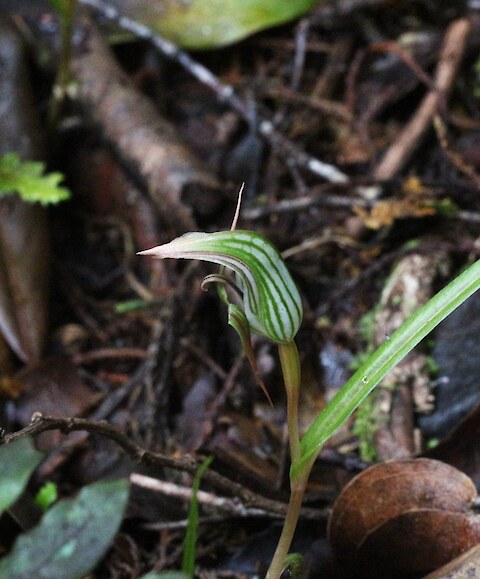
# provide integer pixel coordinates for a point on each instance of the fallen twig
(451, 55)
(303, 203)
(223, 504)
(455, 158)
(249, 499)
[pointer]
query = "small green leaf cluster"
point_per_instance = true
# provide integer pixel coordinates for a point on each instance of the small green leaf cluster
(47, 495)
(28, 179)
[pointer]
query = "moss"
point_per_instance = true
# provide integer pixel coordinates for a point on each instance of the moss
(365, 427)
(432, 366)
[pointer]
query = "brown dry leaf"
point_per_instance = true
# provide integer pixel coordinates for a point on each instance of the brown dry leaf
(24, 257)
(417, 541)
(384, 213)
(387, 491)
(24, 251)
(414, 202)
(6, 358)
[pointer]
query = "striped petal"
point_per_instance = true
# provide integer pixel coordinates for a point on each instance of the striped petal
(271, 301)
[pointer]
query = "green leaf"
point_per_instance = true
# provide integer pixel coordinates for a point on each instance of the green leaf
(294, 566)
(271, 301)
(72, 536)
(204, 24)
(386, 357)
(27, 178)
(60, 6)
(46, 496)
(18, 460)
(190, 541)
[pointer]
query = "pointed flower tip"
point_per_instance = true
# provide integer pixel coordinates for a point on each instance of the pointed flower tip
(177, 248)
(153, 251)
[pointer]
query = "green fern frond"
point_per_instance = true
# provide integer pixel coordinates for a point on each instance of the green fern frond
(28, 179)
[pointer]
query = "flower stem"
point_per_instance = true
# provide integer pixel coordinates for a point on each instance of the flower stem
(298, 487)
(290, 362)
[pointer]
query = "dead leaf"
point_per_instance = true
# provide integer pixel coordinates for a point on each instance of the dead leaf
(24, 251)
(242, 443)
(415, 201)
(24, 257)
(385, 213)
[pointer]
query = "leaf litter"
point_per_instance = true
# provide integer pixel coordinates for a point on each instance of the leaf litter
(320, 114)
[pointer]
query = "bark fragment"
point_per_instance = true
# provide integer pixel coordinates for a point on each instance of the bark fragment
(146, 142)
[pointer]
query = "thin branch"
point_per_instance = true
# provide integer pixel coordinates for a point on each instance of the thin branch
(109, 354)
(224, 504)
(401, 150)
(303, 203)
(249, 499)
(224, 92)
(454, 157)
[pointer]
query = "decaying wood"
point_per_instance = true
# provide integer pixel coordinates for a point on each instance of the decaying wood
(406, 143)
(145, 141)
(407, 387)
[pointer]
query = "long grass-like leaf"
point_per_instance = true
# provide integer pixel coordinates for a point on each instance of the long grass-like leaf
(388, 355)
(190, 542)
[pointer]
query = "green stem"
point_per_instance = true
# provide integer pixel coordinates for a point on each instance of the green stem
(297, 492)
(290, 362)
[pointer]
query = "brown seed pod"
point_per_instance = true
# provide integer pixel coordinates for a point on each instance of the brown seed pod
(403, 516)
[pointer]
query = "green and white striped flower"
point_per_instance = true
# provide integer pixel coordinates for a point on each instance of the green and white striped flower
(271, 302)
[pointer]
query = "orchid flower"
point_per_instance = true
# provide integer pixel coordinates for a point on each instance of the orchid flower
(271, 302)
(270, 306)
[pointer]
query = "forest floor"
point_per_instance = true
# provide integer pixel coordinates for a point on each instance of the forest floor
(356, 130)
